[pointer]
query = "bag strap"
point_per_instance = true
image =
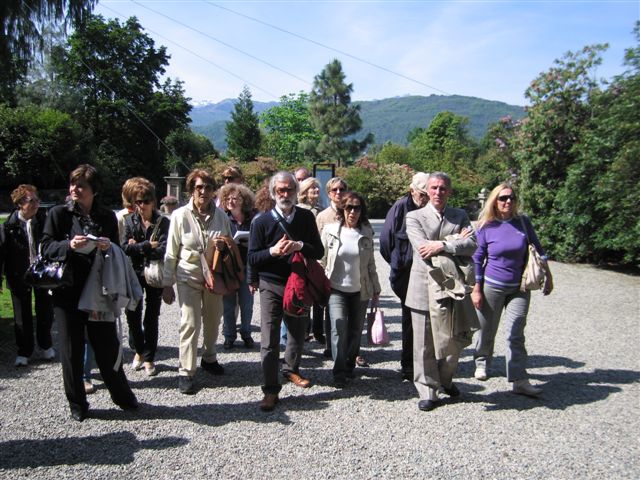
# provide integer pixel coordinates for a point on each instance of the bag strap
(526, 231)
(156, 228)
(281, 221)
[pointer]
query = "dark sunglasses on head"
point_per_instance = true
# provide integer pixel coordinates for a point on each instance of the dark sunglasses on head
(355, 208)
(504, 198)
(204, 186)
(144, 201)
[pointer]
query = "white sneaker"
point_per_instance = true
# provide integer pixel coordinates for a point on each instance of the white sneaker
(481, 374)
(137, 363)
(21, 361)
(523, 387)
(48, 354)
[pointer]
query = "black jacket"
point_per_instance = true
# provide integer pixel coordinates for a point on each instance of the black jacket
(141, 251)
(14, 249)
(63, 223)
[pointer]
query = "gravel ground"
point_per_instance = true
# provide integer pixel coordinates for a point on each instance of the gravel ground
(582, 342)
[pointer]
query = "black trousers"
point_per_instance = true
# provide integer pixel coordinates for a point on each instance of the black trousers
(143, 333)
(23, 316)
(400, 285)
(104, 340)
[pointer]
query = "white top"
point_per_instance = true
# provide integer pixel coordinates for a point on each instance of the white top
(346, 270)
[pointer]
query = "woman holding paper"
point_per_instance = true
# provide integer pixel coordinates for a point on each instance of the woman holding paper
(75, 233)
(194, 232)
(237, 201)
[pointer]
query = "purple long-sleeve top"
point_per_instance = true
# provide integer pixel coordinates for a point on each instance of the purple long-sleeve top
(502, 251)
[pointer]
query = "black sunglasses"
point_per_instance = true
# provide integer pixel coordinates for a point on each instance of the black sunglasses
(145, 201)
(504, 198)
(350, 208)
(204, 186)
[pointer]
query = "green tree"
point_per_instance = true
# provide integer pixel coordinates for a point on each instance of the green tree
(21, 25)
(189, 148)
(546, 142)
(243, 131)
(334, 117)
(38, 146)
(496, 162)
(126, 110)
(288, 129)
(393, 153)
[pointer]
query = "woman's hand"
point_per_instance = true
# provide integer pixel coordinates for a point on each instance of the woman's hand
(476, 296)
(154, 244)
(548, 283)
(77, 242)
(103, 243)
(168, 295)
(220, 244)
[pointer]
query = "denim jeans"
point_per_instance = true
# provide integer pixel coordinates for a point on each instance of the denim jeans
(516, 307)
(242, 298)
(347, 312)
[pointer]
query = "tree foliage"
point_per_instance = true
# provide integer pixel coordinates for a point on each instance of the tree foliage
(21, 24)
(189, 148)
(334, 116)
(288, 129)
(243, 132)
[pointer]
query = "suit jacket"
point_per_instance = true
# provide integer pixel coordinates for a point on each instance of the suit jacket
(423, 225)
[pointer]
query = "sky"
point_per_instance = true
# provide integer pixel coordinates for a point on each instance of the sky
(486, 49)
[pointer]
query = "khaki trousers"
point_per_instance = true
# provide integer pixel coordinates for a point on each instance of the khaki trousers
(199, 309)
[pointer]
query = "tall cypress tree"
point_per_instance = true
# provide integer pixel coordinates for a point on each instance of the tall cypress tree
(333, 115)
(243, 132)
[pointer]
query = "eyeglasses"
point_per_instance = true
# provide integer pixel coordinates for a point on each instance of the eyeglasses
(229, 179)
(504, 198)
(144, 201)
(30, 200)
(204, 186)
(338, 189)
(355, 208)
(284, 191)
(232, 199)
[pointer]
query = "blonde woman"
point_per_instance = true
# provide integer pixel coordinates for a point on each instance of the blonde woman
(309, 195)
(499, 260)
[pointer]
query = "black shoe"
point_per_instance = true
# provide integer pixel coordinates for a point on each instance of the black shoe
(228, 344)
(339, 382)
(407, 375)
(185, 385)
(78, 415)
(327, 353)
(428, 405)
(320, 338)
(214, 368)
(129, 406)
(452, 391)
(248, 342)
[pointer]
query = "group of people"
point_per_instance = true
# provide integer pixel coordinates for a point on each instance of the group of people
(452, 280)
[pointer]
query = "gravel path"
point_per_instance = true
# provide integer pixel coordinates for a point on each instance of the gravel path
(583, 346)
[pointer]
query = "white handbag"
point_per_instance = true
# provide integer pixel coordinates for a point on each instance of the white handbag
(534, 273)
(153, 272)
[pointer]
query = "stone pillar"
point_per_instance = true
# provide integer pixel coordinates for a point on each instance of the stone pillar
(175, 185)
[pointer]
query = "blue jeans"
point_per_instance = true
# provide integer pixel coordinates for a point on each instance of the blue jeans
(516, 307)
(244, 299)
(347, 312)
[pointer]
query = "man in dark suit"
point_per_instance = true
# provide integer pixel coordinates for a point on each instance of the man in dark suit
(269, 255)
(427, 229)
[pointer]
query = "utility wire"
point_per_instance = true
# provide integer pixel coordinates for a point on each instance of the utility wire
(257, 87)
(275, 27)
(228, 45)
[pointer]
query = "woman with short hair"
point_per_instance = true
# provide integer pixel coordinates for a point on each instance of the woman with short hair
(309, 195)
(350, 266)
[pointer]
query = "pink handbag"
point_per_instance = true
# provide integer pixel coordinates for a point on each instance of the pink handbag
(378, 330)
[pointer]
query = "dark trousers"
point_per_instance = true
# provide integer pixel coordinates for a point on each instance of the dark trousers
(24, 320)
(400, 284)
(271, 316)
(143, 334)
(104, 340)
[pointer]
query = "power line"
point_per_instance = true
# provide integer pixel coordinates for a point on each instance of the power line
(228, 45)
(257, 87)
(275, 27)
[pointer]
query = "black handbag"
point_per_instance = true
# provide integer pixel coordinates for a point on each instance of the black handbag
(43, 273)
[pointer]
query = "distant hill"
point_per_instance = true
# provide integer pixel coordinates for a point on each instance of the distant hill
(390, 119)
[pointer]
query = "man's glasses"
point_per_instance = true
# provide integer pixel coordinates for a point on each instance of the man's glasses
(143, 201)
(338, 189)
(204, 186)
(284, 191)
(353, 208)
(504, 198)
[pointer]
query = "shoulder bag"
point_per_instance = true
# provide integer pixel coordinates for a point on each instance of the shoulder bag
(153, 270)
(534, 273)
(48, 274)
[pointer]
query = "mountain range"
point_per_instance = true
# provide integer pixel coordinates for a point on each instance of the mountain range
(390, 119)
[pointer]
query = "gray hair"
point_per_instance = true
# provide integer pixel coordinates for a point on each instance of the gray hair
(441, 176)
(332, 181)
(283, 176)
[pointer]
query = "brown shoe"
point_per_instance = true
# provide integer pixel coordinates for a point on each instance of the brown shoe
(298, 380)
(269, 402)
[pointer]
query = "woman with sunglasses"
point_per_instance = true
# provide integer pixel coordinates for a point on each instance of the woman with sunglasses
(145, 239)
(19, 241)
(500, 260)
(350, 266)
(195, 229)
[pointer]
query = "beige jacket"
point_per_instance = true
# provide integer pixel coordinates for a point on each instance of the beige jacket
(369, 284)
(182, 259)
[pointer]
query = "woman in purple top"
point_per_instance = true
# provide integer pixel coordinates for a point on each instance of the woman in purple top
(500, 261)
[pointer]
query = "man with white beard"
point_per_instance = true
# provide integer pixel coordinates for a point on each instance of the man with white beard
(269, 255)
